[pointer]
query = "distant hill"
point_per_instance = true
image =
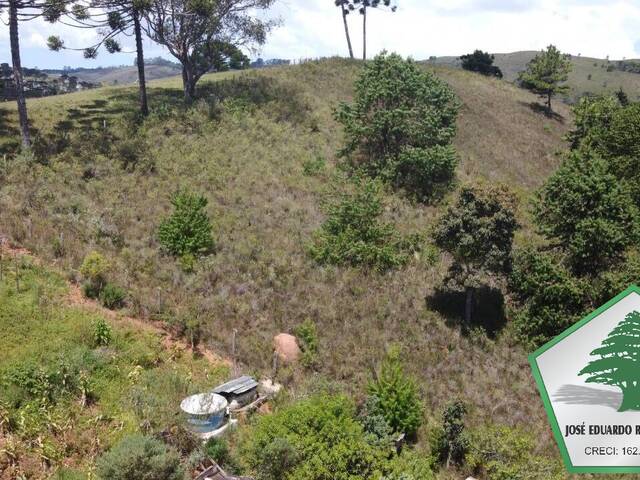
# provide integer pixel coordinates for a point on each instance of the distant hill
(126, 75)
(589, 75)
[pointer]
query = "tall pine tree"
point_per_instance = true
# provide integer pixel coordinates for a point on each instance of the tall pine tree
(619, 362)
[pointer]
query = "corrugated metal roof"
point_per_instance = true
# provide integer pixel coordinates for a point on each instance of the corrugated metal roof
(237, 386)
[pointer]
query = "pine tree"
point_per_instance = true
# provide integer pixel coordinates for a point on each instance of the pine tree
(619, 362)
(546, 73)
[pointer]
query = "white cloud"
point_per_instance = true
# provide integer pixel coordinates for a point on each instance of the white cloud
(420, 28)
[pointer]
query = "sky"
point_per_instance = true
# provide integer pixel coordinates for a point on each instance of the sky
(418, 28)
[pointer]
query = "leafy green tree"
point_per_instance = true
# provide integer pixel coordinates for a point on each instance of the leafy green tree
(477, 231)
(398, 397)
(588, 212)
(318, 439)
(187, 231)
(204, 35)
(619, 361)
(138, 457)
(481, 62)
(353, 233)
(549, 297)
(546, 73)
(401, 125)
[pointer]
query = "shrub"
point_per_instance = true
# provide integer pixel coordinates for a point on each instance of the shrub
(400, 126)
(354, 235)
(451, 441)
(481, 62)
(102, 333)
(307, 333)
(138, 457)
(549, 296)
(398, 398)
(188, 229)
(314, 439)
(586, 209)
(112, 296)
(218, 450)
(409, 465)
(94, 270)
(503, 453)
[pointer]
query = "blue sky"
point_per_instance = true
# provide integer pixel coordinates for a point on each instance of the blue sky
(420, 28)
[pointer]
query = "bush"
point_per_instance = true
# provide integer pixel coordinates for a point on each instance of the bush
(188, 229)
(409, 465)
(94, 270)
(218, 450)
(102, 333)
(398, 398)
(138, 457)
(503, 453)
(314, 439)
(587, 210)
(307, 333)
(354, 235)
(112, 296)
(451, 442)
(401, 125)
(550, 298)
(481, 62)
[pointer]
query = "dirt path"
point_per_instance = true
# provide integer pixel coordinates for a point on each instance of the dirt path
(75, 298)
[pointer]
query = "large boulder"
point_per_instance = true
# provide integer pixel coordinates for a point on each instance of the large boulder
(286, 346)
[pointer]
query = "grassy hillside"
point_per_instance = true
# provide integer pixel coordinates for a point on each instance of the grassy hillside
(589, 75)
(65, 398)
(125, 75)
(262, 148)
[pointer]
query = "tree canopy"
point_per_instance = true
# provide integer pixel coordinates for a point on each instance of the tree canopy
(481, 62)
(546, 73)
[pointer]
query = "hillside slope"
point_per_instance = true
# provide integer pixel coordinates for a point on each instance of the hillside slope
(589, 75)
(104, 182)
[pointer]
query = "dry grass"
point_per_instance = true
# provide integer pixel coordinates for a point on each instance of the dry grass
(246, 154)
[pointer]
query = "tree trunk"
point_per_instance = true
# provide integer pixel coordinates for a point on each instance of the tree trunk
(364, 33)
(630, 398)
(17, 73)
(346, 29)
(188, 84)
(142, 83)
(468, 304)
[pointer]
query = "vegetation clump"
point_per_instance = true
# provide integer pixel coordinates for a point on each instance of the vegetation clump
(353, 233)
(307, 335)
(401, 125)
(546, 73)
(477, 231)
(481, 62)
(397, 396)
(138, 457)
(187, 231)
(94, 270)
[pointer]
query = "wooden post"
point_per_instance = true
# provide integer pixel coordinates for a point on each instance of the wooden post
(233, 352)
(1, 265)
(17, 275)
(274, 373)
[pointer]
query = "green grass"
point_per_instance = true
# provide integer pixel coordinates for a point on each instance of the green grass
(131, 381)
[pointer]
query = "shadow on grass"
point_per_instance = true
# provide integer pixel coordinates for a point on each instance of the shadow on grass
(9, 134)
(542, 110)
(488, 309)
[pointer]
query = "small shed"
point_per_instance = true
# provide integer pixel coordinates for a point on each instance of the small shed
(238, 392)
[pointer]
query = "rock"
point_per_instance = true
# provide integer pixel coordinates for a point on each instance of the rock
(470, 478)
(286, 346)
(269, 388)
